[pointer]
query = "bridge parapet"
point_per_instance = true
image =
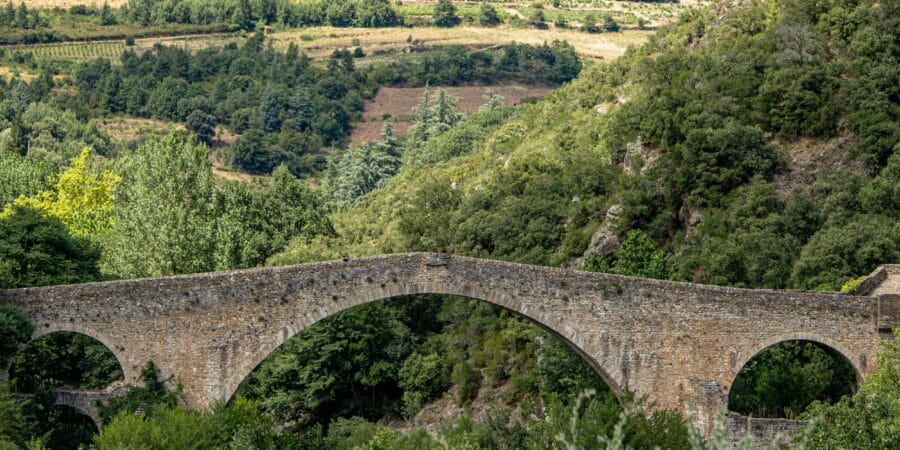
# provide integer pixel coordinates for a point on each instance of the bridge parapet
(883, 280)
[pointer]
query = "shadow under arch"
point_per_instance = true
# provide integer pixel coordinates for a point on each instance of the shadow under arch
(48, 329)
(839, 355)
(858, 367)
(566, 334)
(71, 428)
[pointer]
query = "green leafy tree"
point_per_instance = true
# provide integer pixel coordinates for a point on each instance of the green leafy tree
(23, 176)
(152, 398)
(712, 162)
(254, 222)
(70, 360)
(81, 199)
(868, 419)
(36, 250)
(365, 168)
(445, 14)
(785, 379)
(839, 253)
(422, 377)
(163, 223)
(15, 330)
(638, 256)
(106, 15)
(14, 429)
(346, 365)
(202, 125)
(488, 16)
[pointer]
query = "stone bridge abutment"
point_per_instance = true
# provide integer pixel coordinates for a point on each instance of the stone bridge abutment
(679, 344)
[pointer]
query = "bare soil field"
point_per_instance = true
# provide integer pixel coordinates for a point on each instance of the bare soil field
(69, 3)
(401, 103)
(319, 42)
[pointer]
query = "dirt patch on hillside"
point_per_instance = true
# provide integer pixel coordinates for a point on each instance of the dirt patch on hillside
(808, 159)
(401, 103)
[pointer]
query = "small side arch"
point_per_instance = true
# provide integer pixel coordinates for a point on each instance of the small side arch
(250, 361)
(47, 328)
(858, 367)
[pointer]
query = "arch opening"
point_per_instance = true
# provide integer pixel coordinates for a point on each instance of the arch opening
(783, 379)
(63, 359)
(61, 426)
(391, 357)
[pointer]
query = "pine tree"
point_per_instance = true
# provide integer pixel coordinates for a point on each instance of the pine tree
(445, 14)
(106, 15)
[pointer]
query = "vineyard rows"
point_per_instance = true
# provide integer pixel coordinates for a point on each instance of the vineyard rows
(78, 51)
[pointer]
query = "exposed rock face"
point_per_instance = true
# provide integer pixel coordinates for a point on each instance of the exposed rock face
(691, 217)
(605, 241)
(638, 157)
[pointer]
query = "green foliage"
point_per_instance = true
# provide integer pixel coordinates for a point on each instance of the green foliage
(445, 14)
(13, 426)
(553, 63)
(36, 250)
(202, 125)
(81, 199)
(423, 373)
(364, 168)
(785, 379)
(68, 360)
(840, 252)
(23, 176)
(344, 366)
(638, 256)
(712, 162)
(151, 400)
(487, 15)
(255, 221)
(15, 330)
(868, 419)
(164, 225)
(434, 117)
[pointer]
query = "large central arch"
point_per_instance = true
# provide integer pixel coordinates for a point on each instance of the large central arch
(547, 322)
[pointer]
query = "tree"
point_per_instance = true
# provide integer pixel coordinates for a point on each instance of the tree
(106, 15)
(163, 221)
(23, 176)
(15, 330)
(487, 15)
(82, 200)
(202, 125)
(868, 420)
(13, 426)
(256, 221)
(445, 14)
(783, 380)
(345, 365)
(36, 250)
(609, 24)
(589, 24)
(537, 18)
(838, 253)
(375, 13)
(434, 117)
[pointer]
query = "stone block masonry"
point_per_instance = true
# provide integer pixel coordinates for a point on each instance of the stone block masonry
(680, 344)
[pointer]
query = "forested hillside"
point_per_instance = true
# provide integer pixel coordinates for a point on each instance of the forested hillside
(751, 144)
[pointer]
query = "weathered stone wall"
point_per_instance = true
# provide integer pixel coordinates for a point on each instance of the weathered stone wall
(680, 344)
(764, 432)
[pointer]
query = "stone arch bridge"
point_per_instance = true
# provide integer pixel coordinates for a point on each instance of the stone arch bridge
(680, 344)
